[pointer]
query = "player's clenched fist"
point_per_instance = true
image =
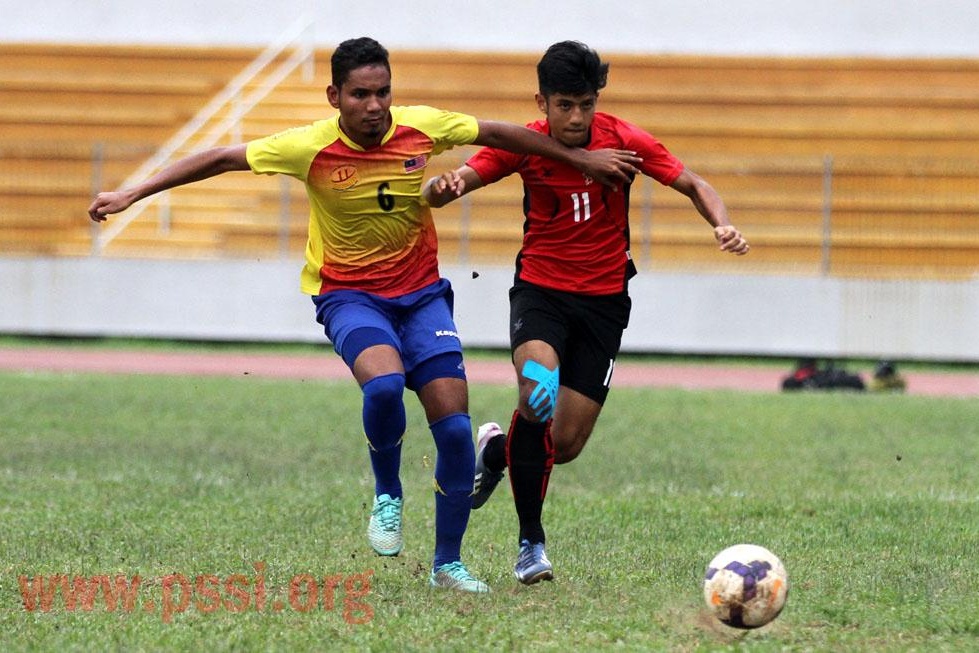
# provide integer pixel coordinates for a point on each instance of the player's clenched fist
(106, 203)
(731, 240)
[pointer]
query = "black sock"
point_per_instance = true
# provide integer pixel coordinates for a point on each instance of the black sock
(530, 456)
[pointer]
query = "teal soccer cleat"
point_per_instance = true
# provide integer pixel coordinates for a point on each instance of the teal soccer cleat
(455, 576)
(384, 529)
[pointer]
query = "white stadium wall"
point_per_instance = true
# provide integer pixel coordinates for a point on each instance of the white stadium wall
(702, 314)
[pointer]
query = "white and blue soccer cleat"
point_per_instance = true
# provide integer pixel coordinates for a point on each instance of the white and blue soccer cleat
(384, 529)
(532, 564)
(485, 481)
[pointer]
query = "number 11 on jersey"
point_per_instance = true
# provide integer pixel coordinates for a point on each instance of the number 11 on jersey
(582, 206)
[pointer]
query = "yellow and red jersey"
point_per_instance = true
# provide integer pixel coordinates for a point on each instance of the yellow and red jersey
(369, 228)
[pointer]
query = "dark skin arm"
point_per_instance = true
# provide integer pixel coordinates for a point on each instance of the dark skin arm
(710, 205)
(610, 167)
(441, 190)
(195, 167)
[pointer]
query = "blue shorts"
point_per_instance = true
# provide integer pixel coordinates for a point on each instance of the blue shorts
(419, 325)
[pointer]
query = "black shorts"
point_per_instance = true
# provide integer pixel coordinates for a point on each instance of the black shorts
(584, 330)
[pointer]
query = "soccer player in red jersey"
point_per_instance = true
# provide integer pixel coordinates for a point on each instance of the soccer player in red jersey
(372, 269)
(569, 303)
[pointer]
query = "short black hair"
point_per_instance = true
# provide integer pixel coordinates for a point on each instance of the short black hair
(571, 68)
(355, 53)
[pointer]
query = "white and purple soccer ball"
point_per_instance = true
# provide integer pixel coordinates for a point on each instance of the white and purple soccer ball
(746, 586)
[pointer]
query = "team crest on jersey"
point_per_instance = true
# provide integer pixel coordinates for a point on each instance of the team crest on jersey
(588, 180)
(344, 176)
(416, 163)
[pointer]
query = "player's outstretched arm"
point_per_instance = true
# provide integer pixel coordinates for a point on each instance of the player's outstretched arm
(710, 205)
(195, 167)
(441, 190)
(609, 167)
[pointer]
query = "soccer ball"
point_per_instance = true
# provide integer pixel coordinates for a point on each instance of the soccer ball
(745, 586)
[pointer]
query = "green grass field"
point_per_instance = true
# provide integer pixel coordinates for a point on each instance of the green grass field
(261, 489)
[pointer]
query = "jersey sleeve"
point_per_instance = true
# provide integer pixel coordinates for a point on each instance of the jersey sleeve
(657, 161)
(446, 129)
(493, 165)
(287, 152)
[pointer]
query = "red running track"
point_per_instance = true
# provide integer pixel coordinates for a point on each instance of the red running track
(329, 366)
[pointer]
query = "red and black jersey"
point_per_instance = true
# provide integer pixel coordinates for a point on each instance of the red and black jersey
(576, 230)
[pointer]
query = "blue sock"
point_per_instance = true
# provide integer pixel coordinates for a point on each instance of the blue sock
(384, 425)
(455, 465)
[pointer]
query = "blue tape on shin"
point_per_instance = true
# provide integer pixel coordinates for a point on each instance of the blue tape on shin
(544, 397)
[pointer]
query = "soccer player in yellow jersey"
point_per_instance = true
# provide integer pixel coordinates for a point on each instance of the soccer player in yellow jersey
(372, 270)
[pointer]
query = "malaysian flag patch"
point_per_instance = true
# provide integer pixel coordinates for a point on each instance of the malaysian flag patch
(416, 163)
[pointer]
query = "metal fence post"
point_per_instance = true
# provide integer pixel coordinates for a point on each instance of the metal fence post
(646, 231)
(285, 209)
(237, 111)
(465, 211)
(308, 46)
(98, 163)
(827, 214)
(164, 213)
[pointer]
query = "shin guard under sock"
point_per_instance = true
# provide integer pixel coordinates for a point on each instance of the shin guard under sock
(530, 456)
(455, 464)
(384, 426)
